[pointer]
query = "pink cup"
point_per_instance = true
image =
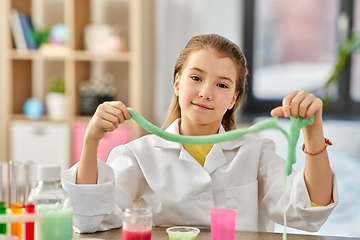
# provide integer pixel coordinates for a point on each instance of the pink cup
(223, 223)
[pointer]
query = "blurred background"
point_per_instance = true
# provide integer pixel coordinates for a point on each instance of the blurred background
(60, 59)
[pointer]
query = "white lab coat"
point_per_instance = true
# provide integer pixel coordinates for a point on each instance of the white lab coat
(246, 176)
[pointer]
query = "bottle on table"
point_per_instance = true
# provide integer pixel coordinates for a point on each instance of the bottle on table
(53, 203)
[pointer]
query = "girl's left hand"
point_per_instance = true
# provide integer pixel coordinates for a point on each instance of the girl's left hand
(300, 104)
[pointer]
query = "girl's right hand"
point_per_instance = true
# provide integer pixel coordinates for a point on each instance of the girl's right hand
(108, 115)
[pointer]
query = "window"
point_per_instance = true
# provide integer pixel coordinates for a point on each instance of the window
(292, 45)
(355, 71)
(295, 46)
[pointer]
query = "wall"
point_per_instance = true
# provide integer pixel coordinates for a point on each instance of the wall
(176, 22)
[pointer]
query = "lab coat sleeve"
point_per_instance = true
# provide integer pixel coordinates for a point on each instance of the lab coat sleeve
(300, 202)
(94, 205)
(129, 177)
(299, 212)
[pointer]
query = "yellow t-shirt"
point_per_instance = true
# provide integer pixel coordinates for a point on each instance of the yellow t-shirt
(316, 205)
(199, 152)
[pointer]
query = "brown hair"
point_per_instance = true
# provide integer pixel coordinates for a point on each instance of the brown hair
(225, 48)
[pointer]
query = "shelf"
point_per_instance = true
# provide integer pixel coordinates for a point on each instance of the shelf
(85, 119)
(89, 56)
(32, 55)
(19, 116)
(73, 55)
(81, 119)
(28, 73)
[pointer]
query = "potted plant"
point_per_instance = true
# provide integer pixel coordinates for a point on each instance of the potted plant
(346, 47)
(55, 99)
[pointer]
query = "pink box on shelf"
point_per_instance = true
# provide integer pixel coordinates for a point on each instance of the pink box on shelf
(120, 136)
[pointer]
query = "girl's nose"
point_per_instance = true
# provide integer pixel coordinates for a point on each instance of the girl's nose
(205, 92)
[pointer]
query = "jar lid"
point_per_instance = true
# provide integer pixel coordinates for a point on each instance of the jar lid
(49, 173)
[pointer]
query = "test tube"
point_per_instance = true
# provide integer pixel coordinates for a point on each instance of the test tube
(4, 182)
(30, 226)
(2, 211)
(29, 183)
(29, 179)
(2, 200)
(15, 206)
(1, 183)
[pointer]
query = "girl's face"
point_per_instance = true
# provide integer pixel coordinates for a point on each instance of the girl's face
(206, 88)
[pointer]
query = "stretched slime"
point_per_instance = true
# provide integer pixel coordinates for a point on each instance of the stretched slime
(292, 137)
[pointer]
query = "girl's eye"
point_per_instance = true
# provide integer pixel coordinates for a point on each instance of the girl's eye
(195, 78)
(222, 85)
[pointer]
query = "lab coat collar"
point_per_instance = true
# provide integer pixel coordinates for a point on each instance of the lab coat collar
(163, 143)
(214, 159)
(231, 144)
(174, 129)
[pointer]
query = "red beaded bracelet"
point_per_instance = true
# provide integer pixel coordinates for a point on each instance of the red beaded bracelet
(327, 143)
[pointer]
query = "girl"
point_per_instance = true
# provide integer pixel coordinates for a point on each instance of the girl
(181, 183)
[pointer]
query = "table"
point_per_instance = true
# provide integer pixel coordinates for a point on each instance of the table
(159, 233)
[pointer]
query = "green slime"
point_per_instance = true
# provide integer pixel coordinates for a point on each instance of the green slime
(182, 235)
(292, 138)
(296, 124)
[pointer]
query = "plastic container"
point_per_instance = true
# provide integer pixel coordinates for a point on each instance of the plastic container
(53, 203)
(223, 221)
(137, 224)
(182, 233)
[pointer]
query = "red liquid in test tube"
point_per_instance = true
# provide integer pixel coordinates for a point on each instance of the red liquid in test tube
(30, 226)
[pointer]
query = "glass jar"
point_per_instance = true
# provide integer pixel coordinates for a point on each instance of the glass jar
(137, 223)
(53, 203)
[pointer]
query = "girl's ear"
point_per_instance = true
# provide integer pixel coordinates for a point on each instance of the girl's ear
(233, 101)
(176, 84)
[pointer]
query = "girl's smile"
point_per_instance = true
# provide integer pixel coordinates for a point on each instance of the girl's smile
(202, 106)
